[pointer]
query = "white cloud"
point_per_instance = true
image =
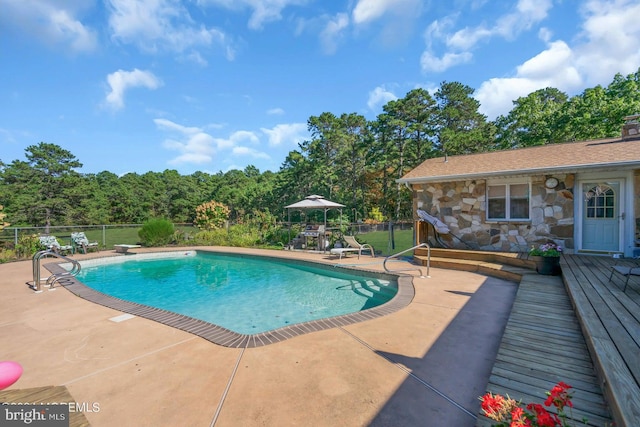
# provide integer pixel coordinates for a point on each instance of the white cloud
(610, 35)
(199, 147)
(606, 46)
(526, 14)
(379, 97)
(275, 111)
(460, 43)
(246, 151)
(263, 11)
(496, 95)
(241, 136)
(155, 25)
(430, 62)
(121, 81)
(397, 19)
(367, 11)
(195, 145)
(165, 124)
(50, 22)
(550, 68)
(332, 32)
(289, 134)
(551, 62)
(370, 10)
(467, 38)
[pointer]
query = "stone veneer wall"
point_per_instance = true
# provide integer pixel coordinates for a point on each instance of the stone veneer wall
(461, 205)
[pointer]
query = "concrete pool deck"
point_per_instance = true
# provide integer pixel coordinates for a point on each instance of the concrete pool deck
(426, 364)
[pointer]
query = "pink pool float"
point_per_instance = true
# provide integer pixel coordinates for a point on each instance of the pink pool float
(10, 372)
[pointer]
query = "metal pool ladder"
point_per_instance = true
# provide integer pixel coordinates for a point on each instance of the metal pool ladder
(54, 278)
(384, 264)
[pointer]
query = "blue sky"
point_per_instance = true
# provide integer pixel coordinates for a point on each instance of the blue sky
(213, 85)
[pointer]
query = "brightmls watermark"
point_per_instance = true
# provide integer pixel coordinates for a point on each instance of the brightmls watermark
(34, 415)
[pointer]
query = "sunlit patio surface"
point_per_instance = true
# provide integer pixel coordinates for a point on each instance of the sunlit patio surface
(426, 364)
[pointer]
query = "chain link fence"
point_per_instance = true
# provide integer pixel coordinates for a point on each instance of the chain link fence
(388, 236)
(105, 235)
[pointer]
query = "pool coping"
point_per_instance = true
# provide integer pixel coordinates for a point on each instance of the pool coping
(227, 338)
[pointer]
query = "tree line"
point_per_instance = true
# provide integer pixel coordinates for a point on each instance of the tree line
(348, 159)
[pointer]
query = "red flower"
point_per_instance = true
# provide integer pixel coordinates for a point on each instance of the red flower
(543, 417)
(509, 412)
(559, 396)
(518, 418)
(491, 403)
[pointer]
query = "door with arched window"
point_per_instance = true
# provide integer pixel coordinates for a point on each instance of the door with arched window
(600, 216)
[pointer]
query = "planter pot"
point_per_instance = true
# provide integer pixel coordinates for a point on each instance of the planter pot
(548, 265)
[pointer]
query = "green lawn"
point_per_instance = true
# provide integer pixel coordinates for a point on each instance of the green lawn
(403, 239)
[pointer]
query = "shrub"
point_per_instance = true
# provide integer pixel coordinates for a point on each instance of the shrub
(217, 237)
(28, 244)
(240, 235)
(211, 215)
(7, 255)
(375, 216)
(156, 232)
(243, 235)
(282, 236)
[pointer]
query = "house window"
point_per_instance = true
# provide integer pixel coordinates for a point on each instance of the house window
(600, 202)
(509, 201)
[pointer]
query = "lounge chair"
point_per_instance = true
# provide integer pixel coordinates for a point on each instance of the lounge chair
(80, 242)
(353, 246)
(439, 229)
(626, 271)
(52, 244)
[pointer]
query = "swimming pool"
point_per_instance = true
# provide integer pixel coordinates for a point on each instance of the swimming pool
(244, 294)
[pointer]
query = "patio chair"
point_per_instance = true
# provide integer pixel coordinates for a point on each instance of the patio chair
(439, 229)
(353, 246)
(52, 244)
(626, 271)
(80, 242)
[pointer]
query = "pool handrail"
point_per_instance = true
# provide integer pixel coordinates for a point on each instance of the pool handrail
(384, 263)
(51, 280)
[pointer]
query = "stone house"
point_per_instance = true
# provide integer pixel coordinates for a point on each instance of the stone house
(585, 196)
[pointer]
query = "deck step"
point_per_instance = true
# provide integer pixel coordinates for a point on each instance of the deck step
(508, 258)
(493, 269)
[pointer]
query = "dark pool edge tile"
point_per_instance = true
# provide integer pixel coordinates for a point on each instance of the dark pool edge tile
(226, 338)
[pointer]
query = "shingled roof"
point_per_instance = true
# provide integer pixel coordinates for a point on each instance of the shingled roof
(570, 157)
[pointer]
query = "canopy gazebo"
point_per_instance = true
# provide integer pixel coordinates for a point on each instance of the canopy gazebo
(314, 202)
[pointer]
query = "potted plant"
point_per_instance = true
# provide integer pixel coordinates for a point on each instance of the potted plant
(547, 258)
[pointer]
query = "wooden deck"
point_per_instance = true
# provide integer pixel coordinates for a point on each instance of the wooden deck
(542, 345)
(610, 320)
(45, 395)
(580, 328)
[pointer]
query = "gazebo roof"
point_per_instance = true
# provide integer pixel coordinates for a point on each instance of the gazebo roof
(314, 202)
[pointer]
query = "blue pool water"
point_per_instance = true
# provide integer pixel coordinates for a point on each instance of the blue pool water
(246, 295)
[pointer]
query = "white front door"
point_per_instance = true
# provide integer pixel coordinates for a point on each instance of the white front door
(601, 216)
